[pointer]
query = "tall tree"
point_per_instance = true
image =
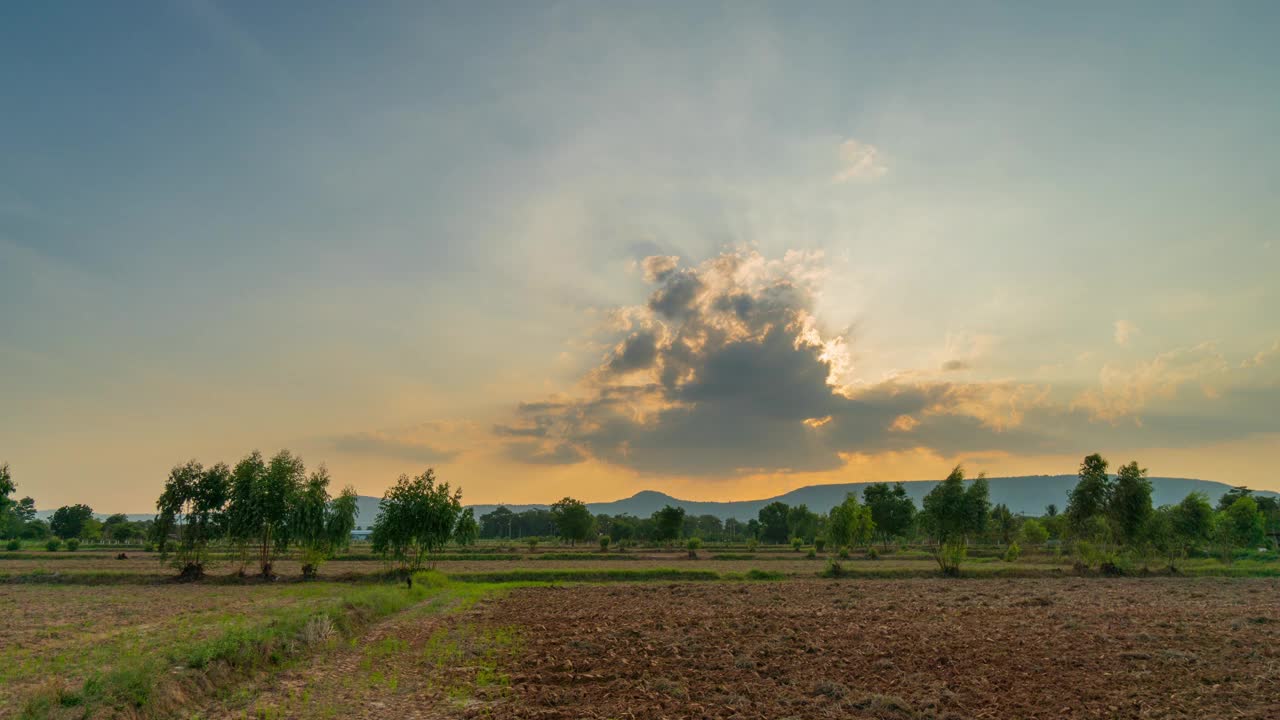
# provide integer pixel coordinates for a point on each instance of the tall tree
(1092, 494)
(1193, 521)
(319, 524)
(243, 515)
(892, 510)
(1130, 503)
(417, 519)
(668, 522)
(1240, 525)
(773, 522)
(952, 514)
(572, 519)
(802, 522)
(1004, 524)
(189, 515)
(70, 521)
(261, 504)
(850, 524)
(467, 529)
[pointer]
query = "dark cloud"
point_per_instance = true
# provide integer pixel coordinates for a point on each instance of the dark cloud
(954, 365)
(559, 454)
(637, 352)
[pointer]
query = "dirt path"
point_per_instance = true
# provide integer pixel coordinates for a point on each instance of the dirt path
(427, 663)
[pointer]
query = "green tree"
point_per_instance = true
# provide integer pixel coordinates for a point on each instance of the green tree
(243, 515)
(1240, 525)
(891, 509)
(69, 521)
(468, 529)
(7, 488)
(1034, 533)
(667, 523)
(417, 519)
(1229, 497)
(802, 522)
(1092, 494)
(573, 521)
(1004, 524)
(773, 523)
(319, 524)
(188, 515)
(1193, 521)
(952, 514)
(1130, 502)
(850, 524)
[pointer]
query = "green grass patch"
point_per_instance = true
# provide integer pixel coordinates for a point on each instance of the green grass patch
(584, 575)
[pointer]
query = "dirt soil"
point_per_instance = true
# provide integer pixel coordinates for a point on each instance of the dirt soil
(1051, 648)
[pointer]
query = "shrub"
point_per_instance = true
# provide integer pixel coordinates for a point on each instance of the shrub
(834, 569)
(148, 547)
(13, 545)
(604, 543)
(844, 553)
(532, 543)
(73, 544)
(950, 555)
(820, 544)
(873, 554)
(693, 545)
(752, 544)
(1012, 552)
(812, 554)
(53, 545)
(797, 543)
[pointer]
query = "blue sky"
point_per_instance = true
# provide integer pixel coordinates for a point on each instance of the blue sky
(369, 233)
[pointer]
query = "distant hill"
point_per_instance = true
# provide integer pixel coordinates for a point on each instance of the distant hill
(1028, 494)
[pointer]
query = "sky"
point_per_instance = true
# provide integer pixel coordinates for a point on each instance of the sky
(721, 250)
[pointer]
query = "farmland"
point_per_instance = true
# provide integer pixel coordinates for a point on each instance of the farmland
(501, 632)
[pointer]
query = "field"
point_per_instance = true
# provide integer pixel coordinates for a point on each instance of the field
(568, 634)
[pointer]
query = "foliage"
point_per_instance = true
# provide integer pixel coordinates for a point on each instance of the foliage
(819, 544)
(73, 544)
(572, 520)
(53, 545)
(694, 544)
(1130, 502)
(321, 525)
(953, 513)
(188, 514)
(892, 510)
(773, 523)
(1034, 533)
(802, 523)
(850, 523)
(752, 545)
(467, 530)
(1192, 521)
(668, 522)
(797, 543)
(69, 521)
(834, 569)
(1240, 525)
(1012, 553)
(417, 519)
(604, 543)
(14, 544)
(1092, 494)
(1003, 524)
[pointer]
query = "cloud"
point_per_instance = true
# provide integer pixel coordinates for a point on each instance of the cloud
(407, 445)
(954, 366)
(1124, 392)
(725, 370)
(1123, 331)
(859, 161)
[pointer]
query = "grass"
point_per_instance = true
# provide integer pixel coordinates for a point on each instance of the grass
(584, 575)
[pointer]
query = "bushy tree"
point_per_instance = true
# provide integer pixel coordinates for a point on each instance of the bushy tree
(417, 519)
(1192, 521)
(667, 523)
(952, 514)
(467, 530)
(572, 519)
(1004, 524)
(189, 515)
(773, 523)
(1034, 533)
(1091, 496)
(1240, 525)
(319, 524)
(850, 523)
(802, 522)
(14, 515)
(892, 510)
(1130, 502)
(70, 521)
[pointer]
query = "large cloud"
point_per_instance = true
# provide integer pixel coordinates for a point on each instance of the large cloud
(725, 370)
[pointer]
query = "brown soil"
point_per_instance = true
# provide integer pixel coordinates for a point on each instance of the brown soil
(1151, 648)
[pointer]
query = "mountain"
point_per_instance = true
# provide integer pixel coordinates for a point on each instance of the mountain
(1028, 494)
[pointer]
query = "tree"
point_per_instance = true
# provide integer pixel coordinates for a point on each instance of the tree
(1051, 510)
(953, 513)
(572, 519)
(7, 488)
(497, 524)
(417, 519)
(1229, 497)
(1192, 521)
(1034, 533)
(668, 522)
(1240, 525)
(14, 516)
(1130, 502)
(467, 530)
(188, 515)
(242, 516)
(1092, 494)
(802, 522)
(319, 524)
(892, 510)
(850, 524)
(69, 521)
(773, 523)
(1004, 524)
